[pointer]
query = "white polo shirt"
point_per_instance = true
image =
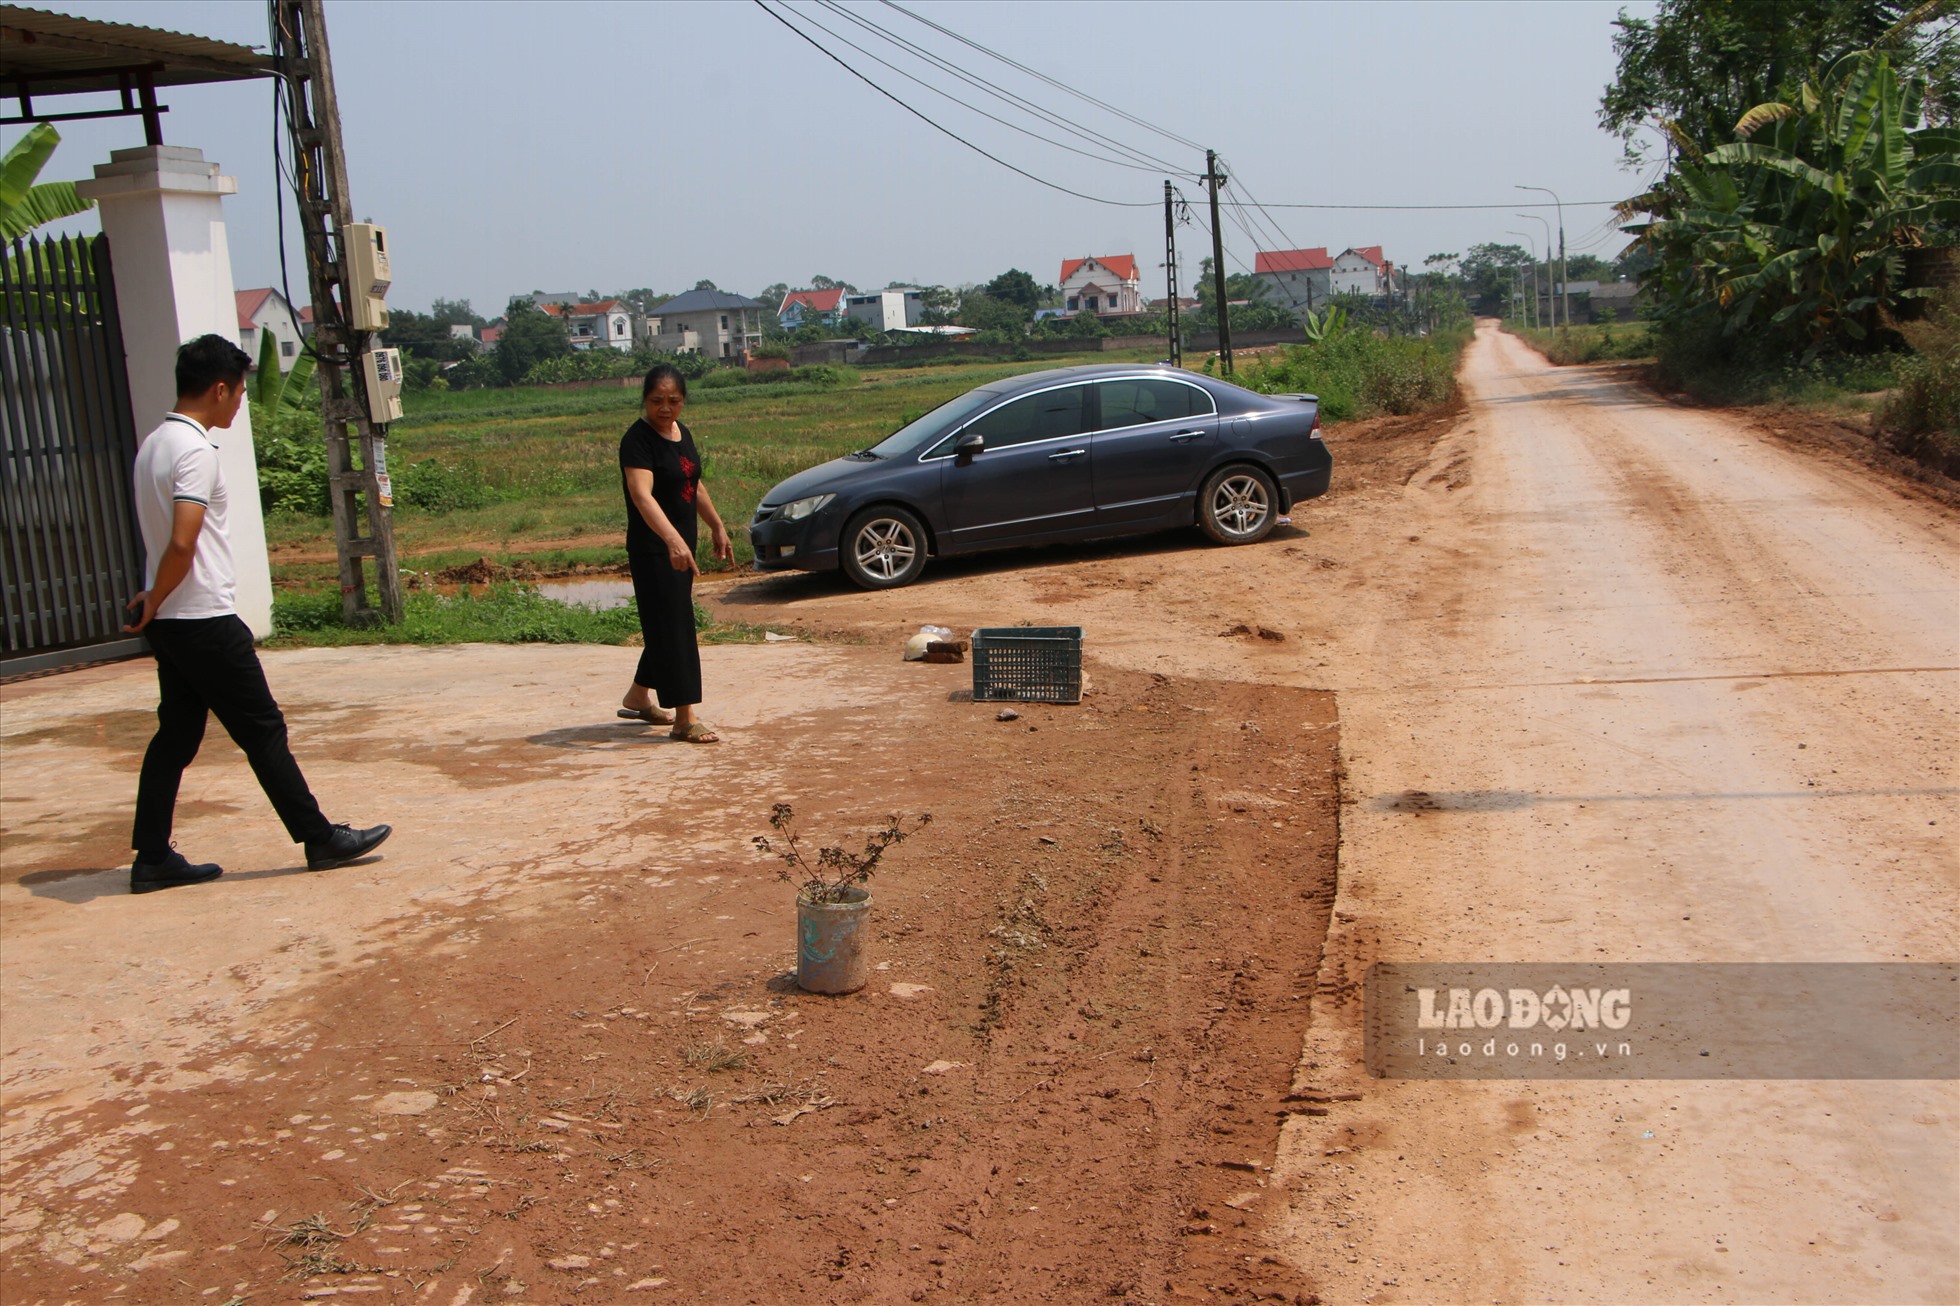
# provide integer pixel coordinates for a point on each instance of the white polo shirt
(178, 463)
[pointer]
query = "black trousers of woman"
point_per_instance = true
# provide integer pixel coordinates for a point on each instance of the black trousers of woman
(670, 664)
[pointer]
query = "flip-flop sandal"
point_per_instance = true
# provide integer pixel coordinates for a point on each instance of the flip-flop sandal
(697, 732)
(653, 716)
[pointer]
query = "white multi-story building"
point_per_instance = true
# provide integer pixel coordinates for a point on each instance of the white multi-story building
(1361, 270)
(887, 310)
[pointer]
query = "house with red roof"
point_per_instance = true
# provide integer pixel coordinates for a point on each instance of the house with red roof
(1299, 279)
(1101, 284)
(266, 310)
(605, 323)
(800, 307)
(1362, 270)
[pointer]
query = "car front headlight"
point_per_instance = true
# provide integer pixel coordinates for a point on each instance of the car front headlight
(798, 509)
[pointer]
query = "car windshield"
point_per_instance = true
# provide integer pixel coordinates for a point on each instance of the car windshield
(916, 433)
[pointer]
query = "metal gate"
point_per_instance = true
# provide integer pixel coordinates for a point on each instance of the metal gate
(70, 555)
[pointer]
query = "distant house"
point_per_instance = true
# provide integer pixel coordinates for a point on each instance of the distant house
(607, 323)
(305, 318)
(1101, 285)
(489, 336)
(263, 310)
(1298, 279)
(1362, 271)
(887, 310)
(711, 322)
(800, 307)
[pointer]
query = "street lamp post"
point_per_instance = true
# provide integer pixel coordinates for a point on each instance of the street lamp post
(1563, 292)
(1550, 303)
(1532, 249)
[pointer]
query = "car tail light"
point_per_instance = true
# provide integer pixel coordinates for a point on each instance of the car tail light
(1313, 432)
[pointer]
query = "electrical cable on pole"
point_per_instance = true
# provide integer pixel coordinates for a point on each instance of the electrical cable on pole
(1170, 271)
(947, 131)
(1144, 161)
(1148, 165)
(359, 495)
(1213, 178)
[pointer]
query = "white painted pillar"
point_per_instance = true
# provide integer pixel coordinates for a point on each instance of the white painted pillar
(162, 209)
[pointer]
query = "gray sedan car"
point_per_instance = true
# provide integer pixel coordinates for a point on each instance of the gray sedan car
(1072, 454)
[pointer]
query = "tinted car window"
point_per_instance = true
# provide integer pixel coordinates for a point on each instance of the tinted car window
(917, 431)
(1044, 416)
(1147, 399)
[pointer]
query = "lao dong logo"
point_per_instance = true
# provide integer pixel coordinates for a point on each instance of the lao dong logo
(1557, 1009)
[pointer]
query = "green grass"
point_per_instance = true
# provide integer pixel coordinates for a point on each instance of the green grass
(503, 613)
(530, 475)
(1588, 342)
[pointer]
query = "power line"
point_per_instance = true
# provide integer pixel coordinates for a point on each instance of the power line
(1039, 76)
(1094, 199)
(1146, 162)
(1570, 204)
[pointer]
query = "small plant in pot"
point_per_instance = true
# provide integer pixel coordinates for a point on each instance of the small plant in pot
(832, 904)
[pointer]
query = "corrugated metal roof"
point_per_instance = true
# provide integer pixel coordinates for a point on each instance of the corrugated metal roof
(62, 55)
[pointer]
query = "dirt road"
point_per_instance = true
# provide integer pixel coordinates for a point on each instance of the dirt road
(1611, 680)
(1641, 686)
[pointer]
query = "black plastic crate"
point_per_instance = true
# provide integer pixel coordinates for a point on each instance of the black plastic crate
(1027, 664)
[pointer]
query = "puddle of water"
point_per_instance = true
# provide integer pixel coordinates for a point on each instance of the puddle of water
(598, 595)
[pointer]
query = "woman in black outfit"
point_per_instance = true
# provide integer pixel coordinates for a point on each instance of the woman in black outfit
(665, 499)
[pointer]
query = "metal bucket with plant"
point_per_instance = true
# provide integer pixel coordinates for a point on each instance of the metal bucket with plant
(832, 904)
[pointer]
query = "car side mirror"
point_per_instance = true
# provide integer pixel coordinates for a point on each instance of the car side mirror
(967, 446)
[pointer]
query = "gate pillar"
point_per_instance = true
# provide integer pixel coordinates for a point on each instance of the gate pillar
(162, 209)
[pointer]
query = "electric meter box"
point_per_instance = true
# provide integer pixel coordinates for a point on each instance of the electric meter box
(382, 370)
(364, 264)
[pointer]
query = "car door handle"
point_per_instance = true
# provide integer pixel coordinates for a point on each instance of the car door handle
(1182, 436)
(1066, 454)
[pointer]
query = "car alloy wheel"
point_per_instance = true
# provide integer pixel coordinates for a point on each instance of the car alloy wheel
(884, 548)
(1238, 505)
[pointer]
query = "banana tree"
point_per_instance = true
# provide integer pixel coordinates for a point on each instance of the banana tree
(1797, 229)
(276, 391)
(24, 204)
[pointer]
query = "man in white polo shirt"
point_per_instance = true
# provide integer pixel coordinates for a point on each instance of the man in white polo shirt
(205, 660)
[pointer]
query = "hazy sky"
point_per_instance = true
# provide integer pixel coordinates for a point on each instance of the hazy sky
(574, 145)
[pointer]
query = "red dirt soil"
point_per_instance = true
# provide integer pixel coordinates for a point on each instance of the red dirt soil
(1065, 1082)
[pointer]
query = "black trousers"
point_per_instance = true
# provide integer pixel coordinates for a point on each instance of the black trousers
(205, 666)
(670, 661)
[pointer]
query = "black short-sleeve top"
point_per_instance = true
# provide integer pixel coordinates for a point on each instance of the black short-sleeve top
(676, 468)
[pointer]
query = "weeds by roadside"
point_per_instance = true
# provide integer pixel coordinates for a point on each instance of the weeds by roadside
(1923, 416)
(506, 612)
(1589, 342)
(1357, 373)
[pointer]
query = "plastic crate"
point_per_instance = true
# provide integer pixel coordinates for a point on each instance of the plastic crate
(1027, 664)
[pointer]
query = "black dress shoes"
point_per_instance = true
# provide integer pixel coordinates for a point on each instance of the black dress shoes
(148, 877)
(345, 844)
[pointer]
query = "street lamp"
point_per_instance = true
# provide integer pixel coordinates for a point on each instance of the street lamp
(1550, 302)
(1563, 292)
(1532, 249)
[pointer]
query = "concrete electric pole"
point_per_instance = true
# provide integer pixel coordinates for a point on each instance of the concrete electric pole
(1170, 273)
(1214, 178)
